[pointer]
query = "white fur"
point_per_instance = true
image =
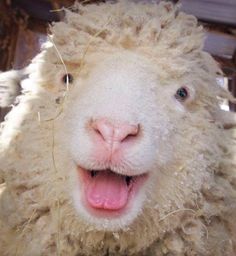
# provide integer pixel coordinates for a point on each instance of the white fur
(128, 60)
(9, 87)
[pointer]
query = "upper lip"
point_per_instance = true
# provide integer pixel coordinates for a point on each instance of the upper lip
(116, 170)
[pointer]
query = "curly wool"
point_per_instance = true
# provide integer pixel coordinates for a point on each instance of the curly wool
(36, 212)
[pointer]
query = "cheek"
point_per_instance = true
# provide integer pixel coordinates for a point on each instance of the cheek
(165, 151)
(164, 135)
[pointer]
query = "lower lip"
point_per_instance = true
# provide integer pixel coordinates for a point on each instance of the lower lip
(138, 183)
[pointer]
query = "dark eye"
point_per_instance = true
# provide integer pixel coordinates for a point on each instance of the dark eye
(181, 94)
(67, 79)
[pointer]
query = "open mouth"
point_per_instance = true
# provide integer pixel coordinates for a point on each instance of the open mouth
(106, 190)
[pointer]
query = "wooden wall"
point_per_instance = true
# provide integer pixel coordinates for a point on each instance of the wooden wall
(8, 35)
(20, 40)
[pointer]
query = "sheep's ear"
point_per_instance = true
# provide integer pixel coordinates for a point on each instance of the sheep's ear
(9, 87)
(226, 118)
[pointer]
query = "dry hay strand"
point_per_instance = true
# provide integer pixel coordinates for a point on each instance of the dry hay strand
(62, 104)
(194, 212)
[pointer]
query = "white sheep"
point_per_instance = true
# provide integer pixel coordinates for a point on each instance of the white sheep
(9, 87)
(117, 145)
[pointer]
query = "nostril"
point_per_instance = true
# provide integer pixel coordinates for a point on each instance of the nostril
(113, 132)
(103, 129)
(103, 135)
(130, 132)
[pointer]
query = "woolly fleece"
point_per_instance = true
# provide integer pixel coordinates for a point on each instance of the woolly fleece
(193, 210)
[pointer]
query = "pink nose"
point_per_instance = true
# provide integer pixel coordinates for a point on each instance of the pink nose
(111, 133)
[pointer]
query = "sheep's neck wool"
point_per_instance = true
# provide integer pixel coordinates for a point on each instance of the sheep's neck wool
(117, 146)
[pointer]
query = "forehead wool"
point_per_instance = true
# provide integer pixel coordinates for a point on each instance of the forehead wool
(159, 31)
(171, 40)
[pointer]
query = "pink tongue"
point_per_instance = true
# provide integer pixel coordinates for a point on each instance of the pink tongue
(107, 191)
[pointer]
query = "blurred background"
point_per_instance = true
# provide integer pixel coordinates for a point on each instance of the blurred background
(24, 23)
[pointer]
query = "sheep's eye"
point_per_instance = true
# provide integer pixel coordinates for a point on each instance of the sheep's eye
(181, 94)
(67, 79)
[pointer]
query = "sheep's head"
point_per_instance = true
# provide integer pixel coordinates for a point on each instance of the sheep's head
(117, 115)
(137, 95)
(140, 138)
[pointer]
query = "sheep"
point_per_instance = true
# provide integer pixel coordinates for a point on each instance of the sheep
(9, 87)
(117, 145)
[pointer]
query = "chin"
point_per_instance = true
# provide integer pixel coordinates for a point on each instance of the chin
(108, 200)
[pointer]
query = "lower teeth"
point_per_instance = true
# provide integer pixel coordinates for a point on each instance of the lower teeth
(93, 173)
(128, 180)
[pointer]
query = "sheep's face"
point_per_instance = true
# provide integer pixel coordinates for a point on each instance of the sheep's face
(124, 129)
